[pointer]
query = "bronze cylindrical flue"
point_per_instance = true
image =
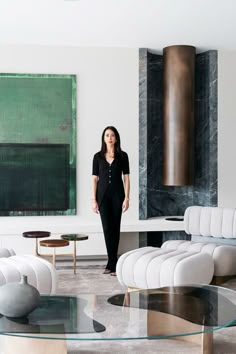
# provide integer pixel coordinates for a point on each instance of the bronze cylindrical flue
(178, 110)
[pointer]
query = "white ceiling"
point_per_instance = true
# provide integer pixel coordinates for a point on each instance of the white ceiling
(154, 24)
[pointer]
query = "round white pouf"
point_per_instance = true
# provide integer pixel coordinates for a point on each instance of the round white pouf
(41, 274)
(152, 267)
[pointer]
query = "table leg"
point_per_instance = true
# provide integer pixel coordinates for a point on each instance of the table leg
(161, 324)
(54, 257)
(36, 247)
(74, 257)
(33, 345)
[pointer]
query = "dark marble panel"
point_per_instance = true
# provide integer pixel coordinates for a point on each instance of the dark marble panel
(154, 131)
(142, 239)
(154, 239)
(175, 235)
(205, 183)
(156, 199)
(143, 133)
(213, 119)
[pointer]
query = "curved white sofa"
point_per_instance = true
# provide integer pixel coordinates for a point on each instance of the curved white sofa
(213, 232)
(41, 274)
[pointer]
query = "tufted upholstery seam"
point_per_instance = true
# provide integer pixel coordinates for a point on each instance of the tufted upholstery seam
(168, 254)
(134, 266)
(6, 252)
(147, 269)
(189, 256)
(173, 273)
(143, 255)
(2, 260)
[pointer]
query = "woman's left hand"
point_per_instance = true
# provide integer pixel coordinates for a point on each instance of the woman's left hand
(125, 205)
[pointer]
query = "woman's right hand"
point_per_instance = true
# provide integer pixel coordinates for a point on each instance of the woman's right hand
(95, 206)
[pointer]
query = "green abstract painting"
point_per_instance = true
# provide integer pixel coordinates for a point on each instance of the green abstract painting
(37, 144)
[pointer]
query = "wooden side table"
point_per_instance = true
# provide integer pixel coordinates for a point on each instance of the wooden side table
(54, 244)
(74, 238)
(36, 235)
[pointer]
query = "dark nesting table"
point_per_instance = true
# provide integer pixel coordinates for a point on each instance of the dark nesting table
(65, 239)
(36, 235)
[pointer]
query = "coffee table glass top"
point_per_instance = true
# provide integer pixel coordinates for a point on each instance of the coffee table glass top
(126, 316)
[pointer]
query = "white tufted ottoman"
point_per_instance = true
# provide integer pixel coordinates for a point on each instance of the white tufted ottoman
(40, 272)
(152, 267)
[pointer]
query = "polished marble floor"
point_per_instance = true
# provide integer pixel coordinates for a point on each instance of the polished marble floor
(89, 278)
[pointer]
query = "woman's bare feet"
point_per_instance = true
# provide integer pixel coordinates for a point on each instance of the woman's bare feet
(107, 271)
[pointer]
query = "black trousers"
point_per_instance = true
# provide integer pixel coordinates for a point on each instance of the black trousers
(110, 213)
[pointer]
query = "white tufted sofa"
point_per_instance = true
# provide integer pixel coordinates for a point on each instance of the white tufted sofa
(180, 262)
(213, 232)
(40, 272)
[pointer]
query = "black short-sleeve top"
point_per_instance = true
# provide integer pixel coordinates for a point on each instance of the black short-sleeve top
(110, 174)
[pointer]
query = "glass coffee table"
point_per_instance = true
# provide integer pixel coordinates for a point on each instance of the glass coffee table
(190, 312)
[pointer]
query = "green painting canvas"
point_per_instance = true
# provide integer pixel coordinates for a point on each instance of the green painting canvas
(37, 144)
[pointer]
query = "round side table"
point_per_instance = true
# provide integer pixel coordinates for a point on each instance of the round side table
(74, 238)
(36, 235)
(54, 244)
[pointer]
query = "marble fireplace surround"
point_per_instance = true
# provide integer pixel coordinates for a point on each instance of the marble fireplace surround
(154, 198)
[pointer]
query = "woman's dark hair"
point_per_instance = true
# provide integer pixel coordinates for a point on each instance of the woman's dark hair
(118, 150)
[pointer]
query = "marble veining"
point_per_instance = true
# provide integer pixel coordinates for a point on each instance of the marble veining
(143, 134)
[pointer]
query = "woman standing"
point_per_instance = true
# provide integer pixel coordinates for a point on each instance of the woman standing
(110, 192)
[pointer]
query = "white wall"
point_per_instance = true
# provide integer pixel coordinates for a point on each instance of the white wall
(107, 94)
(226, 129)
